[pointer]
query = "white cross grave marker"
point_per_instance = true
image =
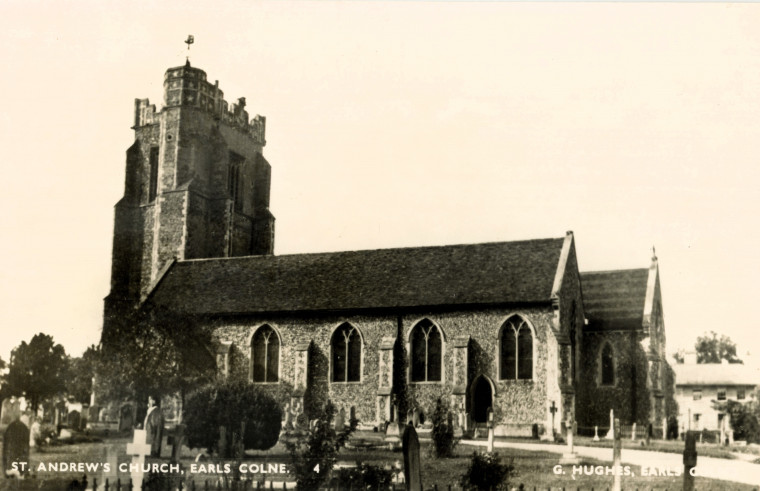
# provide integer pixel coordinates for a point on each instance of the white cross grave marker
(138, 449)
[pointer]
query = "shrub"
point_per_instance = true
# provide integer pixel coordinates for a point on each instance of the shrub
(313, 452)
(486, 471)
(364, 476)
(443, 432)
(229, 404)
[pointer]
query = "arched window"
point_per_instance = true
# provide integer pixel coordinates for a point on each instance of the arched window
(608, 365)
(265, 354)
(346, 347)
(516, 350)
(427, 352)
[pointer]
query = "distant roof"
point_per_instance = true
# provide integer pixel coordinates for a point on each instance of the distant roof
(715, 374)
(615, 299)
(491, 273)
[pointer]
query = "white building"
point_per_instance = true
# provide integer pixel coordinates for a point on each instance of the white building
(700, 386)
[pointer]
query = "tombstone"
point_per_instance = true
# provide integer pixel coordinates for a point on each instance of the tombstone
(459, 425)
(689, 460)
(138, 449)
(34, 434)
(570, 457)
(633, 431)
(412, 466)
(552, 409)
(611, 433)
(664, 428)
(10, 411)
(179, 439)
(72, 420)
(596, 433)
(126, 417)
(92, 414)
(393, 435)
(410, 417)
(16, 448)
(340, 420)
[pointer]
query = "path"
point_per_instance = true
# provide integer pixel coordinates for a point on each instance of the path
(714, 468)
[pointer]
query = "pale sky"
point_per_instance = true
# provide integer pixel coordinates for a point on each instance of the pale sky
(402, 124)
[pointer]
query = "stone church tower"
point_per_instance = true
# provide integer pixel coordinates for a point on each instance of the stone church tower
(197, 186)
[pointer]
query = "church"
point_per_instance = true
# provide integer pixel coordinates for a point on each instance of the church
(509, 326)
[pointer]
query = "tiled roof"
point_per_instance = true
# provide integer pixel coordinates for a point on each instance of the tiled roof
(615, 299)
(500, 272)
(715, 374)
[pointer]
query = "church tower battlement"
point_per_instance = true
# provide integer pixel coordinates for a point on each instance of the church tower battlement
(197, 186)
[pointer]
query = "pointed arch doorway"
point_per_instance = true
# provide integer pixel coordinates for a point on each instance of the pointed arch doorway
(482, 394)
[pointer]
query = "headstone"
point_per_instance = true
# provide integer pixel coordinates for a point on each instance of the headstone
(93, 414)
(570, 457)
(616, 444)
(340, 420)
(138, 449)
(179, 439)
(34, 434)
(10, 412)
(664, 428)
(16, 448)
(410, 417)
(611, 433)
(689, 460)
(596, 433)
(126, 417)
(552, 409)
(393, 435)
(412, 466)
(633, 431)
(72, 420)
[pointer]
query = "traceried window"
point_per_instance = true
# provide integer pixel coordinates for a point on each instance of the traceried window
(608, 365)
(516, 350)
(427, 352)
(265, 351)
(346, 345)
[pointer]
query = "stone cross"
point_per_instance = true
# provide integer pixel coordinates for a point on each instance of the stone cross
(489, 423)
(412, 467)
(616, 444)
(16, 449)
(689, 460)
(138, 449)
(553, 409)
(570, 457)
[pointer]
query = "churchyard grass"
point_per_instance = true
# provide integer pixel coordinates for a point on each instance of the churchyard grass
(532, 469)
(673, 446)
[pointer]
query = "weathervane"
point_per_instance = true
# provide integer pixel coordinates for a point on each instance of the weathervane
(190, 40)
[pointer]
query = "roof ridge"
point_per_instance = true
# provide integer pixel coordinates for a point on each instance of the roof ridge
(328, 253)
(600, 271)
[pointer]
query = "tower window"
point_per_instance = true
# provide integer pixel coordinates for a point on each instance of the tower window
(265, 351)
(346, 347)
(235, 181)
(427, 350)
(516, 350)
(153, 182)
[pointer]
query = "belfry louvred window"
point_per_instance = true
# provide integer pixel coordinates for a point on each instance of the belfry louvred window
(265, 351)
(346, 346)
(427, 352)
(516, 350)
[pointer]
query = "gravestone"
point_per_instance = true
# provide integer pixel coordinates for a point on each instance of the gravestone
(10, 412)
(633, 431)
(489, 422)
(393, 435)
(412, 466)
(616, 456)
(34, 434)
(16, 447)
(178, 440)
(570, 457)
(126, 417)
(596, 433)
(410, 417)
(340, 420)
(611, 434)
(93, 414)
(138, 449)
(72, 420)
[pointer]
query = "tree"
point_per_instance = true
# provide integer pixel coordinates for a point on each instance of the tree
(313, 453)
(37, 370)
(229, 404)
(154, 352)
(81, 371)
(712, 348)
